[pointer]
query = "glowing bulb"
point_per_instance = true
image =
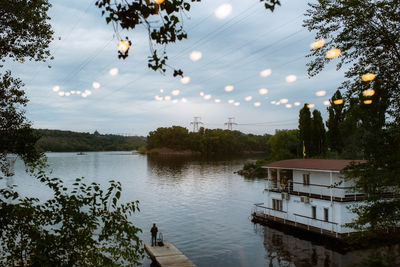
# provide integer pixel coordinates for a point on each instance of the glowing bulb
(223, 11)
(320, 93)
(248, 98)
(217, 100)
(310, 105)
(72, 92)
(201, 93)
(84, 95)
(56, 88)
(229, 88)
(338, 101)
(273, 102)
(288, 105)
(368, 77)
(231, 101)
(369, 92)
(123, 46)
(88, 92)
(61, 93)
(78, 92)
(175, 101)
(161, 90)
(184, 100)
(327, 103)
(257, 104)
(296, 104)
(284, 100)
(159, 2)
(67, 94)
(158, 98)
(113, 71)
(290, 78)
(334, 52)
(263, 91)
(185, 80)
(265, 73)
(367, 102)
(207, 97)
(96, 85)
(175, 92)
(237, 104)
(278, 103)
(195, 55)
(317, 44)
(167, 98)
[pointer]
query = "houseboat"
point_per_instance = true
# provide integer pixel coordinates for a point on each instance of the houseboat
(310, 194)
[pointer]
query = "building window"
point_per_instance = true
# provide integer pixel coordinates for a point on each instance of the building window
(314, 212)
(306, 179)
(277, 204)
(326, 214)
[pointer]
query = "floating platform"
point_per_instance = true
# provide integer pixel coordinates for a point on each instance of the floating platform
(168, 255)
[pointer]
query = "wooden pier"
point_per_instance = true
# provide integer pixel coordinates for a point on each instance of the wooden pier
(168, 255)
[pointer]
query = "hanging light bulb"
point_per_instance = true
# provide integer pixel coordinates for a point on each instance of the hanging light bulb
(317, 44)
(369, 92)
(159, 2)
(334, 52)
(368, 77)
(338, 101)
(368, 101)
(123, 46)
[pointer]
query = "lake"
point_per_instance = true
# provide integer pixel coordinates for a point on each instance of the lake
(201, 206)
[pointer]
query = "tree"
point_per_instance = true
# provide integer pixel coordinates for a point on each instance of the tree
(318, 139)
(334, 123)
(305, 129)
(284, 144)
(130, 14)
(366, 32)
(85, 226)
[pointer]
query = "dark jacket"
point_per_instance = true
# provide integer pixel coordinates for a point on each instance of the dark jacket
(154, 231)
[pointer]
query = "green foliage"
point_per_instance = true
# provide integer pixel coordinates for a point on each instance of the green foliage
(311, 132)
(207, 141)
(25, 31)
(305, 129)
(367, 34)
(334, 124)
(164, 23)
(85, 226)
(284, 144)
(67, 141)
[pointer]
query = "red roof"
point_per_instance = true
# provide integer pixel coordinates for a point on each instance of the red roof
(314, 164)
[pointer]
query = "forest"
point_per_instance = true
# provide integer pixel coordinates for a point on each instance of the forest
(68, 141)
(207, 141)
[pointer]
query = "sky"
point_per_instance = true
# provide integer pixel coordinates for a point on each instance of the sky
(234, 49)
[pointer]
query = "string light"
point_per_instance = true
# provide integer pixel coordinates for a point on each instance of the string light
(61, 93)
(184, 100)
(201, 93)
(369, 92)
(175, 101)
(237, 104)
(159, 2)
(67, 94)
(291, 78)
(56, 88)
(320, 93)
(288, 105)
(167, 98)
(284, 100)
(113, 71)
(263, 91)
(185, 80)
(96, 85)
(265, 73)
(248, 98)
(175, 92)
(310, 106)
(334, 52)
(229, 88)
(223, 11)
(158, 98)
(338, 101)
(327, 103)
(207, 97)
(297, 104)
(273, 102)
(231, 101)
(161, 90)
(317, 44)
(217, 100)
(368, 77)
(257, 104)
(123, 46)
(72, 92)
(78, 92)
(195, 55)
(368, 101)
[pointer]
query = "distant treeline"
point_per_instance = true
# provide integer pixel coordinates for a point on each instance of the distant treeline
(207, 141)
(67, 141)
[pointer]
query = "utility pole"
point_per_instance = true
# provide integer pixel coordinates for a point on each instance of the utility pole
(230, 123)
(196, 121)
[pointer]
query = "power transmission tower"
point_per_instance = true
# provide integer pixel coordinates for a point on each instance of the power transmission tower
(196, 121)
(230, 123)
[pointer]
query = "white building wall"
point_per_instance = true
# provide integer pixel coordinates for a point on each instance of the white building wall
(338, 212)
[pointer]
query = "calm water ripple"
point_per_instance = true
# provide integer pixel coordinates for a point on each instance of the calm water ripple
(200, 206)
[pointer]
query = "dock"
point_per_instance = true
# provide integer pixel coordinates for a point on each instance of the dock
(168, 255)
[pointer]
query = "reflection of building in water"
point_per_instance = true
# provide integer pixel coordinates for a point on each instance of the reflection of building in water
(310, 194)
(287, 250)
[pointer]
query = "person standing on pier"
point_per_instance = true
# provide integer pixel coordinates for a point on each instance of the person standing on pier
(154, 231)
